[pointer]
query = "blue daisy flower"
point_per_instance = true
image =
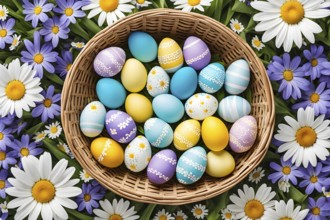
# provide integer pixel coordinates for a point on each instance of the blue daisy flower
(64, 63)
(36, 11)
(318, 210)
(316, 57)
(6, 32)
(4, 184)
(70, 9)
(313, 179)
(6, 136)
(326, 69)
(6, 159)
(55, 29)
(91, 194)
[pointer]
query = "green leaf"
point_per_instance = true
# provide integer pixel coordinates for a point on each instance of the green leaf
(296, 195)
(242, 8)
(90, 26)
(35, 128)
(148, 211)
(271, 156)
(78, 30)
(219, 204)
(140, 129)
(54, 78)
(78, 215)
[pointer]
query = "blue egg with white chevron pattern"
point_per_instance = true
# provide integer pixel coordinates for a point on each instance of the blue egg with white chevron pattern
(237, 77)
(212, 77)
(233, 107)
(158, 132)
(191, 165)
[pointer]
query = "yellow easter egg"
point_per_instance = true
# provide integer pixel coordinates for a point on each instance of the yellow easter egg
(187, 134)
(214, 133)
(170, 56)
(138, 107)
(219, 164)
(107, 152)
(134, 75)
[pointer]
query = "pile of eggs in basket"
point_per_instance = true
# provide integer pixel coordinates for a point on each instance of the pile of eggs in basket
(166, 120)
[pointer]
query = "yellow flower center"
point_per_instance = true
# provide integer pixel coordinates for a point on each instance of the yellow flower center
(1, 136)
(194, 2)
(15, 42)
(198, 211)
(131, 156)
(178, 218)
(162, 83)
(292, 12)
(55, 29)
(306, 136)
(149, 87)
(254, 209)
(140, 1)
(61, 147)
(15, 90)
(25, 152)
(3, 32)
(86, 175)
(2, 155)
(314, 98)
(288, 75)
(47, 103)
(132, 167)
(41, 135)
(142, 145)
(2, 13)
(115, 217)
(228, 215)
(316, 211)
(2, 184)
(93, 107)
(314, 62)
(43, 191)
(256, 175)
(237, 26)
(53, 129)
(257, 42)
(68, 11)
(87, 197)
(286, 170)
(38, 58)
(108, 5)
(37, 10)
(67, 68)
(162, 217)
(79, 45)
(285, 218)
(313, 179)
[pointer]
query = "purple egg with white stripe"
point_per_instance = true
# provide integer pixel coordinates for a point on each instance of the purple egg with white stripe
(120, 126)
(109, 61)
(196, 53)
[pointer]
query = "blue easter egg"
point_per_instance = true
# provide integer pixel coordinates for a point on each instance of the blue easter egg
(92, 119)
(184, 83)
(158, 132)
(142, 46)
(233, 107)
(212, 77)
(110, 92)
(168, 108)
(237, 77)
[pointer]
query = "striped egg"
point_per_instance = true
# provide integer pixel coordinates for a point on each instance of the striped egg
(92, 119)
(158, 132)
(187, 134)
(109, 61)
(196, 53)
(233, 107)
(237, 77)
(201, 105)
(137, 154)
(191, 165)
(170, 55)
(158, 81)
(212, 78)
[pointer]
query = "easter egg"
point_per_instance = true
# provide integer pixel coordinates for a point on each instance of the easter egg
(161, 167)
(134, 75)
(92, 119)
(120, 126)
(168, 108)
(142, 46)
(233, 107)
(110, 92)
(138, 107)
(187, 134)
(214, 133)
(211, 78)
(158, 82)
(220, 164)
(243, 134)
(109, 61)
(184, 83)
(196, 53)
(170, 55)
(137, 154)
(158, 132)
(191, 165)
(107, 152)
(201, 105)
(237, 77)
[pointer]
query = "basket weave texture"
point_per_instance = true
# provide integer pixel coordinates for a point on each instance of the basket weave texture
(79, 90)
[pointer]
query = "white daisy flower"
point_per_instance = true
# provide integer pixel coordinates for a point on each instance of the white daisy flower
(116, 210)
(284, 185)
(53, 130)
(163, 215)
(256, 43)
(250, 205)
(109, 10)
(286, 211)
(84, 176)
(19, 89)
(256, 175)
(64, 148)
(4, 207)
(39, 136)
(16, 42)
(304, 140)
(141, 3)
(180, 215)
(199, 211)
(325, 193)
(41, 189)
(78, 45)
(288, 21)
(236, 26)
(3, 12)
(226, 214)
(188, 5)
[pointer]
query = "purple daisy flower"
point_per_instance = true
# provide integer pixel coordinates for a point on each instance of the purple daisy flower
(326, 166)
(6, 32)
(3, 215)
(326, 69)
(64, 63)
(91, 194)
(4, 184)
(8, 120)
(48, 107)
(6, 159)
(5, 136)
(36, 11)
(318, 98)
(316, 57)
(314, 179)
(317, 210)
(70, 9)
(39, 56)
(290, 76)
(325, 79)
(54, 29)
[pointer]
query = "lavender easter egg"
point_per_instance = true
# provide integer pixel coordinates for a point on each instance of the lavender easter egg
(196, 53)
(120, 126)
(109, 61)
(243, 134)
(161, 167)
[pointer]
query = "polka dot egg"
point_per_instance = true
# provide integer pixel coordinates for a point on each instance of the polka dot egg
(201, 105)
(158, 81)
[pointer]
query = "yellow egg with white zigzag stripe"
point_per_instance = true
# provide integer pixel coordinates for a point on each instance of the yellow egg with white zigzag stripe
(170, 56)
(187, 134)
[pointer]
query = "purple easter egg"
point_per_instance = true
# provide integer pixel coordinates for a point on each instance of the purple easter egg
(196, 53)
(243, 134)
(120, 126)
(161, 167)
(109, 61)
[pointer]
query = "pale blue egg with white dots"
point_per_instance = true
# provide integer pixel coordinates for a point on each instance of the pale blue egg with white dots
(233, 107)
(92, 119)
(191, 165)
(158, 132)
(237, 77)
(212, 77)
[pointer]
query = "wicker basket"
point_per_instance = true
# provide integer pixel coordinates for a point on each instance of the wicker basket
(79, 90)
